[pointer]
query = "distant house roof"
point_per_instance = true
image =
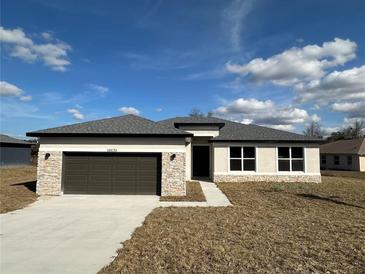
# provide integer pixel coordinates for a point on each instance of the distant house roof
(233, 131)
(353, 146)
(5, 139)
(127, 125)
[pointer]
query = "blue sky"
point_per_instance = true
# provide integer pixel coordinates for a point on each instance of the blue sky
(274, 63)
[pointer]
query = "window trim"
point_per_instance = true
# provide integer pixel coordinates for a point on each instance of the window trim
(242, 160)
(291, 159)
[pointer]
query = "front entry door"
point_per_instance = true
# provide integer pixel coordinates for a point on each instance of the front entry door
(201, 161)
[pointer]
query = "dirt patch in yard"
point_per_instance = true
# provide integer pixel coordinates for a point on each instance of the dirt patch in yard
(194, 193)
(271, 228)
(17, 187)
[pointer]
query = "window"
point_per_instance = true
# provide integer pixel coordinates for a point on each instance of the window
(323, 159)
(336, 160)
(290, 159)
(349, 160)
(242, 158)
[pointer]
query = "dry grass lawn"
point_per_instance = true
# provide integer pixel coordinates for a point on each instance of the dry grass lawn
(17, 187)
(194, 193)
(343, 173)
(271, 228)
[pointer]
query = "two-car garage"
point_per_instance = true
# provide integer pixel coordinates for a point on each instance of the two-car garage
(112, 173)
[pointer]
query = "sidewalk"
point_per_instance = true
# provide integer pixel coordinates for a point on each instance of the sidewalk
(213, 195)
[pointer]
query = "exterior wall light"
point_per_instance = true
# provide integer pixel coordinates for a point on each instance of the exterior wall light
(172, 157)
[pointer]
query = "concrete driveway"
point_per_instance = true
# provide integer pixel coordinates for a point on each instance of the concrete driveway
(69, 234)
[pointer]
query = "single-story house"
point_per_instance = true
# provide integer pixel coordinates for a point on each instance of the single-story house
(133, 155)
(344, 155)
(14, 152)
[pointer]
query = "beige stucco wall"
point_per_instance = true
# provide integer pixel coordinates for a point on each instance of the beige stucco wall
(312, 160)
(220, 158)
(266, 163)
(356, 162)
(264, 159)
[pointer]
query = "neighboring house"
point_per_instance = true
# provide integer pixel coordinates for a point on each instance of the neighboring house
(14, 152)
(133, 155)
(344, 155)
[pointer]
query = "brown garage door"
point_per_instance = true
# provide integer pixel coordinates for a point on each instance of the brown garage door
(111, 173)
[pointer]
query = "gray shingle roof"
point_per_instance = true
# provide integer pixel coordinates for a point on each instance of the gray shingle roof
(233, 131)
(121, 125)
(10, 140)
(353, 146)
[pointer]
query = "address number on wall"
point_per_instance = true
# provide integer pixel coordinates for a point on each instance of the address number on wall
(111, 150)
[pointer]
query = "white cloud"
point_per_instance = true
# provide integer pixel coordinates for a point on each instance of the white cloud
(10, 90)
(297, 65)
(7, 89)
(47, 35)
(264, 113)
(338, 85)
(25, 98)
(76, 114)
(328, 130)
(158, 109)
(245, 106)
(15, 36)
(53, 55)
(102, 90)
(129, 110)
(23, 53)
(354, 109)
(233, 17)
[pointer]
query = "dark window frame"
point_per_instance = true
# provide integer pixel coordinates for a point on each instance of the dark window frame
(336, 160)
(291, 159)
(323, 159)
(242, 159)
(349, 160)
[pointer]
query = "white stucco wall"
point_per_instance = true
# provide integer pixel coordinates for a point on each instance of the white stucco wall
(362, 163)
(188, 162)
(266, 159)
(201, 131)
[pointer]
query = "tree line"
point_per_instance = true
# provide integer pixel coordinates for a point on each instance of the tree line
(351, 131)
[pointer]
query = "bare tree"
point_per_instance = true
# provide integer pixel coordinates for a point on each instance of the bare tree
(196, 113)
(355, 130)
(313, 130)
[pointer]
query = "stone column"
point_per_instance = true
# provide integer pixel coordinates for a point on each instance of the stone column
(173, 174)
(49, 173)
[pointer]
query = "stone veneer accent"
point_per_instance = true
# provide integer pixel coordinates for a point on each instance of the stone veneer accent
(295, 178)
(49, 173)
(173, 174)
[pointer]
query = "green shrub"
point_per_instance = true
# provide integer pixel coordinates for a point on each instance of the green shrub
(278, 188)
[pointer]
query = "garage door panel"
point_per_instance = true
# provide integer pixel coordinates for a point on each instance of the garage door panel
(112, 174)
